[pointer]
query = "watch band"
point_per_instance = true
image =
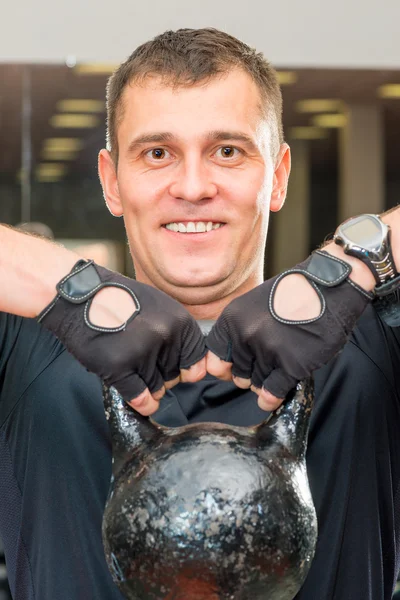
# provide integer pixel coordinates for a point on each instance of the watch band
(385, 267)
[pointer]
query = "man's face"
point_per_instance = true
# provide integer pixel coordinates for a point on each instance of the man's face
(195, 183)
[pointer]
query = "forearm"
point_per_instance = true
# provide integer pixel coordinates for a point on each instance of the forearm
(360, 273)
(30, 268)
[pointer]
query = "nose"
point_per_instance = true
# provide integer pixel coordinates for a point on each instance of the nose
(193, 181)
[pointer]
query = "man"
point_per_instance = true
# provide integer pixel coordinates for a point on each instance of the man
(195, 161)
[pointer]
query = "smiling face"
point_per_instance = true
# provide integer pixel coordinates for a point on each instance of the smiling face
(195, 183)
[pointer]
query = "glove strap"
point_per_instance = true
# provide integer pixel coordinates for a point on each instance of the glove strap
(80, 285)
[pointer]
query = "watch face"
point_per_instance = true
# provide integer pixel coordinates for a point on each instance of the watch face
(364, 231)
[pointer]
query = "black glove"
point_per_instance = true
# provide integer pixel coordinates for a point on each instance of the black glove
(276, 353)
(158, 340)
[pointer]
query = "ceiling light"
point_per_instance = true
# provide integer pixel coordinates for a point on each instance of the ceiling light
(50, 171)
(95, 68)
(329, 121)
(390, 90)
(48, 178)
(307, 133)
(58, 154)
(74, 121)
(63, 144)
(319, 105)
(81, 106)
(286, 77)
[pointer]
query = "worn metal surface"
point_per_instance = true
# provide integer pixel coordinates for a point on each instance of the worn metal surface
(209, 511)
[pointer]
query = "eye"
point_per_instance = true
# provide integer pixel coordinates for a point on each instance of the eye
(157, 153)
(228, 152)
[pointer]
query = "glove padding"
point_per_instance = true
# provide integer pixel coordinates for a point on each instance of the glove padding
(275, 353)
(158, 340)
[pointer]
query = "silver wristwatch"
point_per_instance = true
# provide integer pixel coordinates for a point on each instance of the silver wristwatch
(367, 237)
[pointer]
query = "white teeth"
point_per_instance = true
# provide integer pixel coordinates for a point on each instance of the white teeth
(191, 227)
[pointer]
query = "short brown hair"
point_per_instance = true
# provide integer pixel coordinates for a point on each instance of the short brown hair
(187, 57)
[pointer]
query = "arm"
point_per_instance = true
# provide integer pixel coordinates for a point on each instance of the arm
(94, 326)
(360, 272)
(290, 326)
(30, 268)
(308, 305)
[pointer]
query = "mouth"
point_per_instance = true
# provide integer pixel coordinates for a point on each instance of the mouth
(196, 227)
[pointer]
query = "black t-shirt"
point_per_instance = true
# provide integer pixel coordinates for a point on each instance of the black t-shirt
(55, 464)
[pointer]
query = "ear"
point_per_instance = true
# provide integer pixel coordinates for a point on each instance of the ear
(281, 178)
(109, 183)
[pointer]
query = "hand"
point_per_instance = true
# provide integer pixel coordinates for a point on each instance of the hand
(130, 334)
(277, 334)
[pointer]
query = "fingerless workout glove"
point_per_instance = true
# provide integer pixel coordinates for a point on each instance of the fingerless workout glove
(159, 339)
(276, 353)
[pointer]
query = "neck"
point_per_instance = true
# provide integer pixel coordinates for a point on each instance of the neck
(207, 302)
(213, 308)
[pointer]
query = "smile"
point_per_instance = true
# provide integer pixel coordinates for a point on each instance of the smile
(192, 227)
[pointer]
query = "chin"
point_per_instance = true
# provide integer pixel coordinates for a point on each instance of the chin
(188, 279)
(197, 289)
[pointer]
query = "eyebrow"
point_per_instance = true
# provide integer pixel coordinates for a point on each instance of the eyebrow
(212, 136)
(238, 136)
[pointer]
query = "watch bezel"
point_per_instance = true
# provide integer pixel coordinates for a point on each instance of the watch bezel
(345, 240)
(379, 261)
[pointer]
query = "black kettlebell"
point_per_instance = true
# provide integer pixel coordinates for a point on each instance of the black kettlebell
(210, 511)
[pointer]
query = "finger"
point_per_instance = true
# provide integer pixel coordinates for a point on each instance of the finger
(243, 361)
(241, 382)
(145, 404)
(277, 385)
(260, 373)
(193, 345)
(153, 379)
(172, 382)
(159, 394)
(218, 367)
(195, 372)
(266, 400)
(130, 386)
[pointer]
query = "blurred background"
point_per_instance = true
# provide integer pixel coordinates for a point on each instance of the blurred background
(339, 67)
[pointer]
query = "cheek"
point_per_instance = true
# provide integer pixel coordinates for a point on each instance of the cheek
(137, 194)
(252, 195)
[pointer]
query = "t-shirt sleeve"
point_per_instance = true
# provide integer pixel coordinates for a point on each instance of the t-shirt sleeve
(9, 328)
(26, 349)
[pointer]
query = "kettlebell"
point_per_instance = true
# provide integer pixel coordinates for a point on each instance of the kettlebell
(210, 511)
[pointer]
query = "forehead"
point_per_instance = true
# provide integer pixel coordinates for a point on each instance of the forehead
(230, 100)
